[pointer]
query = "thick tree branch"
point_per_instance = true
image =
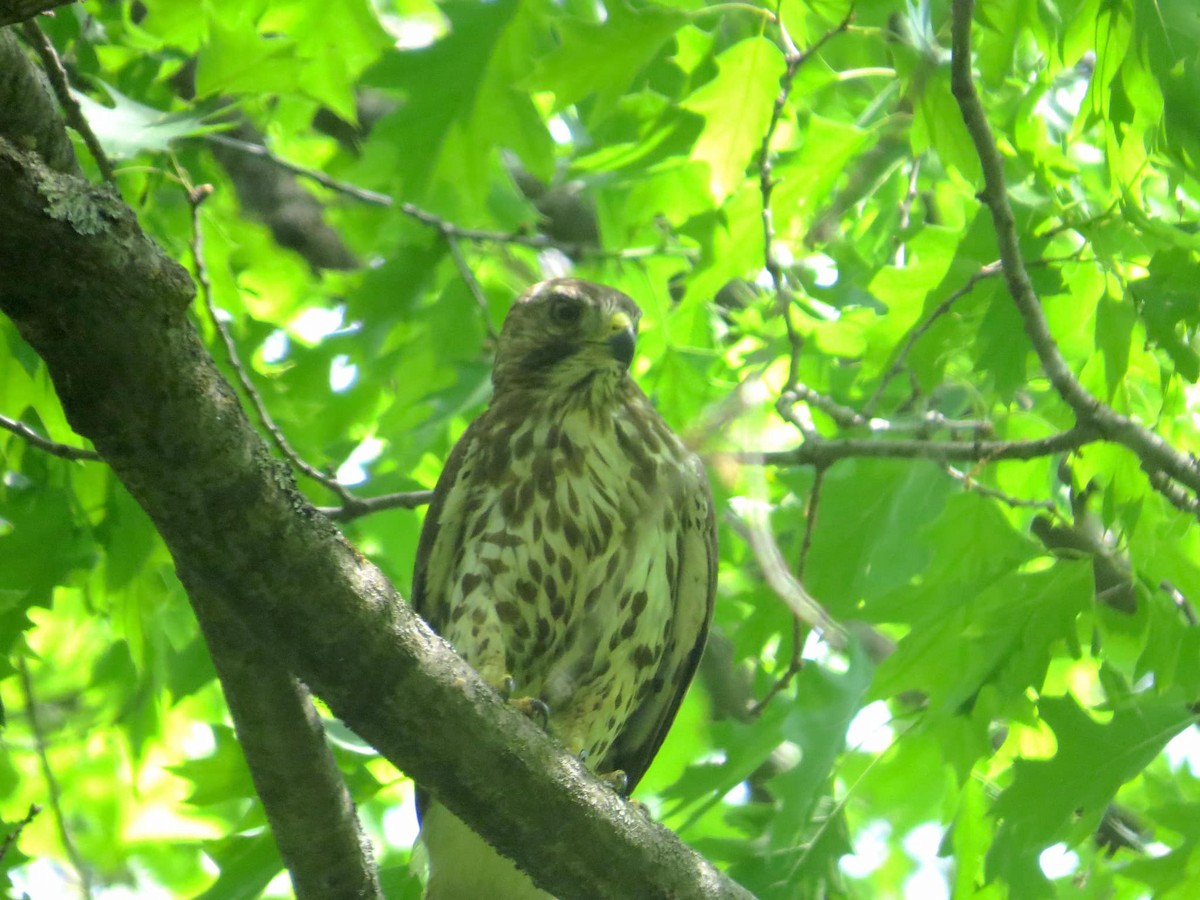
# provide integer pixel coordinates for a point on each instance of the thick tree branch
(28, 117)
(106, 310)
(312, 815)
(13, 11)
(1154, 453)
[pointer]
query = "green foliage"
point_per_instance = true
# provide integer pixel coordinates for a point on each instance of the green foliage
(1020, 633)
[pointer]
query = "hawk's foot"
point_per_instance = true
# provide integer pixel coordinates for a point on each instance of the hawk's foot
(533, 707)
(617, 780)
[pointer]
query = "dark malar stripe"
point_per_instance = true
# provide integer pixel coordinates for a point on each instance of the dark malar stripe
(547, 357)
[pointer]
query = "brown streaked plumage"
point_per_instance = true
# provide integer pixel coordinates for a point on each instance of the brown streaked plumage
(569, 550)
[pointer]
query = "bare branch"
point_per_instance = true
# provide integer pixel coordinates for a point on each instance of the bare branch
(1177, 496)
(906, 205)
(357, 507)
(341, 187)
(443, 226)
(1154, 453)
(825, 452)
(967, 480)
(45, 444)
(1186, 609)
(754, 527)
(312, 815)
(57, 76)
(468, 277)
(794, 59)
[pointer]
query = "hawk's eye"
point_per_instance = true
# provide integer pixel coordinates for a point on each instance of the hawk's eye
(565, 310)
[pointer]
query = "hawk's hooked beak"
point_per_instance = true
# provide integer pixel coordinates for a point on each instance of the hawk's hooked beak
(621, 338)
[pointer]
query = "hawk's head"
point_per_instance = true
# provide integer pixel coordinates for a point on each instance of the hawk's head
(566, 334)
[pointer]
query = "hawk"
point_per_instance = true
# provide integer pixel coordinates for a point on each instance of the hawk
(569, 555)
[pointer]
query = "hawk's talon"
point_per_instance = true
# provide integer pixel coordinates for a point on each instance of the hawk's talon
(617, 780)
(533, 707)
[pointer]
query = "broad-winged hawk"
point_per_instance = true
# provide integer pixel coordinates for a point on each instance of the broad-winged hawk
(569, 554)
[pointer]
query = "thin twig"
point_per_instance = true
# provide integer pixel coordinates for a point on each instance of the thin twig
(45, 444)
(847, 418)
(341, 187)
(794, 58)
(52, 788)
(825, 452)
(62, 90)
(796, 663)
(196, 197)
(967, 480)
(1154, 452)
(536, 241)
(988, 271)
(13, 836)
(436, 222)
(357, 507)
(468, 276)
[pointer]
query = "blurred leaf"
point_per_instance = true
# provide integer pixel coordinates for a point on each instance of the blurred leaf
(127, 127)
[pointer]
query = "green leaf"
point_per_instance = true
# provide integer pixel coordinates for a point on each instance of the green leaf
(1167, 300)
(127, 127)
(1002, 635)
(736, 106)
(1114, 334)
(826, 701)
(602, 59)
(1063, 798)
(247, 866)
